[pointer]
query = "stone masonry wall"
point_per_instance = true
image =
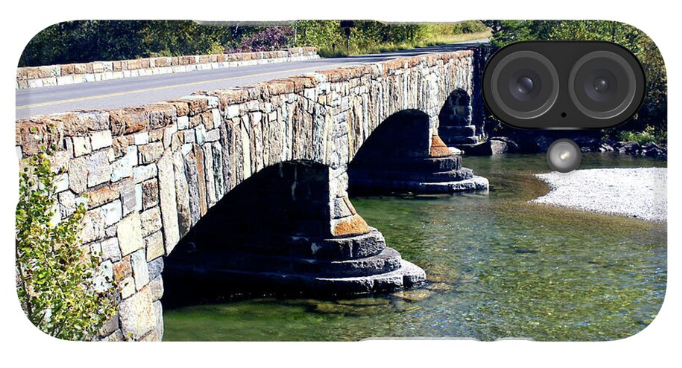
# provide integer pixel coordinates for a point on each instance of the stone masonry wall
(151, 172)
(58, 75)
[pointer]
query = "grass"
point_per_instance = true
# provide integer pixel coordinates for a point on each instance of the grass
(356, 49)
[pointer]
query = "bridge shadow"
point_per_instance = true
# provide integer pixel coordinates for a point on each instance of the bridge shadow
(251, 230)
(402, 156)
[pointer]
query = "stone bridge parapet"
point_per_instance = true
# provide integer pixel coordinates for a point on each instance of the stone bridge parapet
(63, 74)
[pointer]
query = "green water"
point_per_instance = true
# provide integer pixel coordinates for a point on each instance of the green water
(497, 265)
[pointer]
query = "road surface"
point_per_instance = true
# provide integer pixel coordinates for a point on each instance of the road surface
(138, 91)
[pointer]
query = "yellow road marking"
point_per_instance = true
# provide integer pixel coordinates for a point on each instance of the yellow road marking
(57, 102)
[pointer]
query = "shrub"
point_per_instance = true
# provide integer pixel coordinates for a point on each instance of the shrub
(58, 282)
(274, 38)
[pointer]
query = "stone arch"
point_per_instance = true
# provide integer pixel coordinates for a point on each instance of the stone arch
(289, 228)
(456, 119)
(401, 155)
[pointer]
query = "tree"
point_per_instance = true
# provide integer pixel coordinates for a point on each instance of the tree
(58, 282)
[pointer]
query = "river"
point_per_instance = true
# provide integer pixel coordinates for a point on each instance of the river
(497, 266)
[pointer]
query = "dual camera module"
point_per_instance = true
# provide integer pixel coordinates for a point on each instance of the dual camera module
(563, 85)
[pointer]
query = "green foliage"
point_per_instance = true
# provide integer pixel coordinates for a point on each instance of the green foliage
(653, 113)
(58, 283)
(373, 37)
(469, 26)
(648, 135)
(90, 40)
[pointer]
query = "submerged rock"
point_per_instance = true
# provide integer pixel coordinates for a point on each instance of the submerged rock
(414, 295)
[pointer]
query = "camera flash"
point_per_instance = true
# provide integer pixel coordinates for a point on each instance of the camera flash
(563, 155)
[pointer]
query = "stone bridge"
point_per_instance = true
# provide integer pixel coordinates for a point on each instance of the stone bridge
(251, 183)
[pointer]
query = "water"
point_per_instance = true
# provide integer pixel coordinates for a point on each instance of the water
(497, 265)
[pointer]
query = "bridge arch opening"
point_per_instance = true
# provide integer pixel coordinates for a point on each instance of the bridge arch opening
(456, 125)
(288, 229)
(401, 155)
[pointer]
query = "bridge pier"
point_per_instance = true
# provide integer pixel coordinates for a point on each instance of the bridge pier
(290, 228)
(401, 156)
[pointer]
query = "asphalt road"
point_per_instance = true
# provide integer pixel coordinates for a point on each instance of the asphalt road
(137, 91)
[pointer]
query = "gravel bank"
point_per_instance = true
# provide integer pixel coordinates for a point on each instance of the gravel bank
(638, 193)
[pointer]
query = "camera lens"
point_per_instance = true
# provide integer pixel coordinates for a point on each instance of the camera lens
(564, 155)
(525, 84)
(602, 84)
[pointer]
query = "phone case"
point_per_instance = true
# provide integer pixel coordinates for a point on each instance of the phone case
(324, 180)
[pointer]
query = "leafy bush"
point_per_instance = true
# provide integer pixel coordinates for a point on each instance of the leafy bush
(89, 40)
(646, 136)
(58, 283)
(468, 27)
(269, 39)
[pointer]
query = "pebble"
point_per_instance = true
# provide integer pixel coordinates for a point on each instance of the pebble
(638, 193)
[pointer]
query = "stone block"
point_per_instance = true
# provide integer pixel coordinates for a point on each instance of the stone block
(141, 138)
(61, 182)
(216, 118)
(154, 245)
(343, 208)
(111, 212)
(123, 168)
(157, 332)
(78, 173)
(353, 225)
(110, 231)
(127, 287)
(168, 201)
(150, 153)
(155, 267)
(212, 135)
(102, 195)
(155, 135)
(137, 314)
(150, 194)
(200, 132)
(81, 146)
(93, 227)
(182, 194)
(156, 287)
(129, 233)
(110, 250)
(122, 269)
(110, 326)
(128, 199)
(101, 139)
(183, 122)
(120, 145)
(140, 271)
(67, 203)
(151, 221)
(138, 197)
(104, 276)
(143, 173)
(168, 135)
(99, 169)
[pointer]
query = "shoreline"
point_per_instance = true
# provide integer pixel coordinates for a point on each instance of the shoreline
(637, 193)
